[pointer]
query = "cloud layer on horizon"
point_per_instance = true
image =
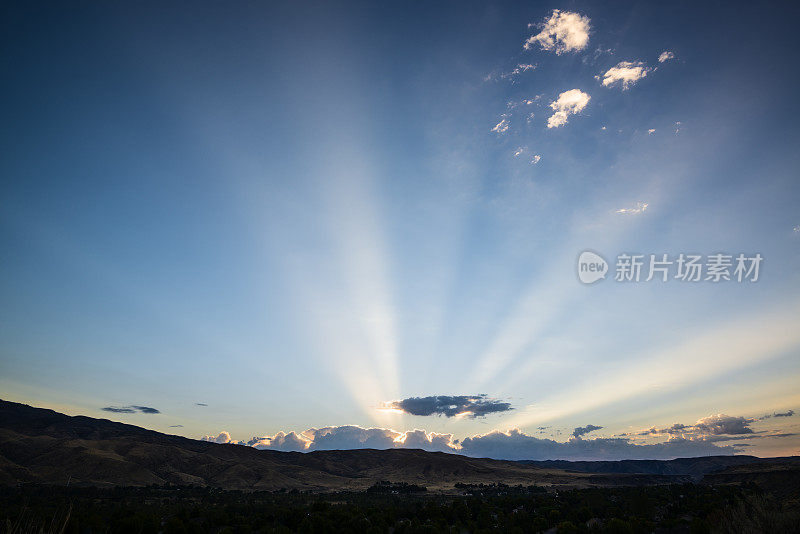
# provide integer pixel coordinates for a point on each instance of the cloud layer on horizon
(699, 439)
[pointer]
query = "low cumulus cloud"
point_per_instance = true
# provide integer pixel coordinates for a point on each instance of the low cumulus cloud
(516, 445)
(718, 434)
(568, 103)
(131, 409)
(449, 405)
(720, 427)
(583, 430)
(511, 445)
(625, 74)
(563, 32)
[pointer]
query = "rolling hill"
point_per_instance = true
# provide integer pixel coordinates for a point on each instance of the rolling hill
(42, 446)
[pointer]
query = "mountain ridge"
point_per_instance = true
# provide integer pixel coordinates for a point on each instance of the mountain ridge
(38, 445)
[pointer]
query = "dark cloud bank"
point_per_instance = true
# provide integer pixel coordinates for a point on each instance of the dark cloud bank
(131, 409)
(450, 405)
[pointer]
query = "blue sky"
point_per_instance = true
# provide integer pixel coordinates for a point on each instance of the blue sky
(300, 214)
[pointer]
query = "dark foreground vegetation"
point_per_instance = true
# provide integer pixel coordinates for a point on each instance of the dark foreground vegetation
(399, 510)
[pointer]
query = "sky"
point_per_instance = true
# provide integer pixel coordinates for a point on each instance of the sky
(323, 225)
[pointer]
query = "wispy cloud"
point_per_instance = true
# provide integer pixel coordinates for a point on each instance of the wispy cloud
(449, 405)
(568, 103)
(640, 207)
(536, 158)
(625, 74)
(563, 32)
(666, 55)
(502, 126)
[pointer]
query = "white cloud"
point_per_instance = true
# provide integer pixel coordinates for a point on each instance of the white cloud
(519, 69)
(502, 126)
(223, 437)
(282, 442)
(536, 159)
(562, 32)
(511, 445)
(568, 103)
(666, 55)
(519, 151)
(640, 207)
(651, 131)
(626, 73)
(796, 229)
(678, 126)
(511, 104)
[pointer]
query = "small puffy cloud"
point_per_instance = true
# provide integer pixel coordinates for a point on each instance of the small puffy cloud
(666, 55)
(449, 405)
(678, 126)
(651, 131)
(625, 74)
(131, 409)
(502, 126)
(568, 103)
(536, 159)
(582, 430)
(222, 437)
(518, 152)
(796, 229)
(640, 207)
(562, 32)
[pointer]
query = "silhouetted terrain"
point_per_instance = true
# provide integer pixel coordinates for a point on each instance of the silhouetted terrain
(83, 475)
(46, 447)
(695, 467)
